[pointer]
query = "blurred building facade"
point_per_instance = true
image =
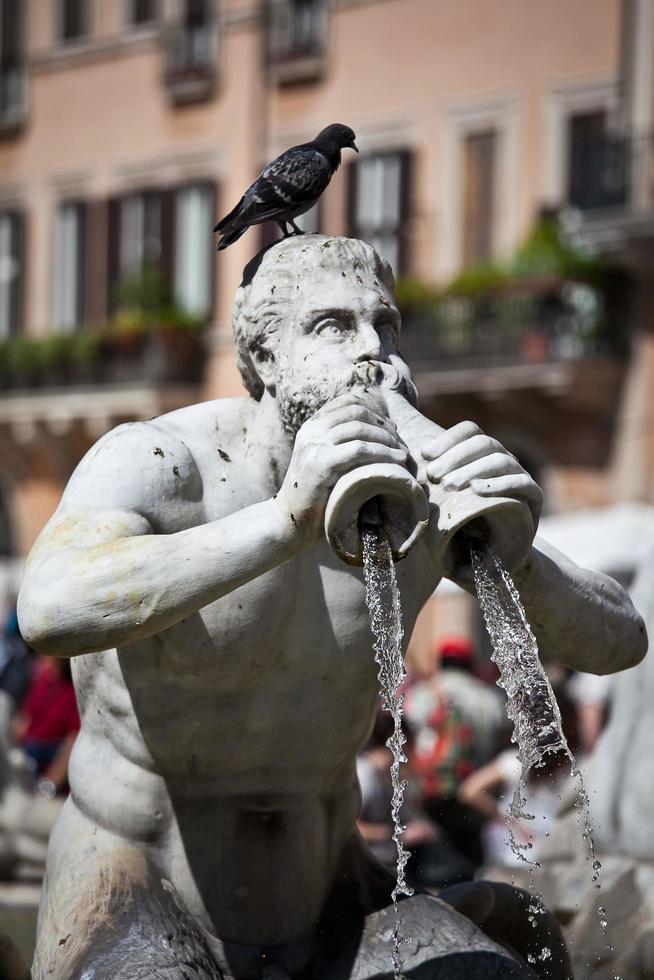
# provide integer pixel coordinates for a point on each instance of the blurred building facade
(128, 126)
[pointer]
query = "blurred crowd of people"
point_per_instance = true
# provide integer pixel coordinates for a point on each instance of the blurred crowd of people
(463, 769)
(42, 706)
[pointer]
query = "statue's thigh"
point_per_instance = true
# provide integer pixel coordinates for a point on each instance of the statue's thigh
(106, 913)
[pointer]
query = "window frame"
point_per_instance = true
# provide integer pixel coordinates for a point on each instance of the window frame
(400, 231)
(81, 285)
(561, 103)
(85, 21)
(16, 295)
(460, 120)
(133, 24)
(210, 186)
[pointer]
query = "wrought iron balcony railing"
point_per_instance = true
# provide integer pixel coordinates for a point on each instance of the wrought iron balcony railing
(529, 323)
(191, 61)
(160, 356)
(13, 98)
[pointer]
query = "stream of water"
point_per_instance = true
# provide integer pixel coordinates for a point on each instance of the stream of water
(531, 705)
(383, 600)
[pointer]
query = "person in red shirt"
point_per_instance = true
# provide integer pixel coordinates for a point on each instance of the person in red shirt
(48, 721)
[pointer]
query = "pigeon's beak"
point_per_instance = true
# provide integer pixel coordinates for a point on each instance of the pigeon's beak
(354, 146)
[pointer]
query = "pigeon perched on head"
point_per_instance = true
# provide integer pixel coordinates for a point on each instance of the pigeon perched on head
(288, 186)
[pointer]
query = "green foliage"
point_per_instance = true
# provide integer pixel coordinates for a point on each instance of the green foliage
(546, 253)
(543, 255)
(145, 301)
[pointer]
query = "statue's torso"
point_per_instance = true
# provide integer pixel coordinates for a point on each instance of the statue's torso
(225, 745)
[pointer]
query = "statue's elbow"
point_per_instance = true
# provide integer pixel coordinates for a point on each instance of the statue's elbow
(640, 644)
(39, 621)
(630, 647)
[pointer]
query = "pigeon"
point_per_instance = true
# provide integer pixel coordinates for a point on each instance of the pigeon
(290, 185)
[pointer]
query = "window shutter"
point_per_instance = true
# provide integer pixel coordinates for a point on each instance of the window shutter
(80, 272)
(407, 169)
(18, 285)
(167, 234)
(211, 243)
(95, 262)
(113, 253)
(352, 205)
(278, 28)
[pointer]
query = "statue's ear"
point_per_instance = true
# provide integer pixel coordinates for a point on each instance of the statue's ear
(264, 362)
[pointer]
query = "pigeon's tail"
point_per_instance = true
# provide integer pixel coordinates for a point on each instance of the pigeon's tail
(222, 224)
(231, 237)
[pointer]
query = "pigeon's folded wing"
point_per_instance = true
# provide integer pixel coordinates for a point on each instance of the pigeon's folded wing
(293, 179)
(296, 178)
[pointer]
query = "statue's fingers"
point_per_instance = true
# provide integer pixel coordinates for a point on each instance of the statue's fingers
(487, 467)
(471, 449)
(518, 485)
(365, 431)
(434, 448)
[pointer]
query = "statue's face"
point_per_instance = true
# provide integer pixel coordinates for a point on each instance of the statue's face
(342, 325)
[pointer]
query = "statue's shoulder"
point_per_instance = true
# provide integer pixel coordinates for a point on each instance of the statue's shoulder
(204, 420)
(145, 465)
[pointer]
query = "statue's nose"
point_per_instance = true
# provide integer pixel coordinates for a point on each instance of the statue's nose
(369, 345)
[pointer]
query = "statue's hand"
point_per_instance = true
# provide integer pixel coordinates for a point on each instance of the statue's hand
(343, 435)
(464, 456)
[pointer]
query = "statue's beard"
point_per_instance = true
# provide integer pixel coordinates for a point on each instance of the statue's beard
(298, 401)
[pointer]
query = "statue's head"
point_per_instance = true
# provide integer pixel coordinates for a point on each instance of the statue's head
(313, 318)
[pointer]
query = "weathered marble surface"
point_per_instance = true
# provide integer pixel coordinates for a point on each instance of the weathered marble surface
(222, 651)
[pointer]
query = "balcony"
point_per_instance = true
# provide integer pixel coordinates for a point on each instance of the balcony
(531, 334)
(613, 198)
(191, 62)
(13, 99)
(98, 378)
(297, 41)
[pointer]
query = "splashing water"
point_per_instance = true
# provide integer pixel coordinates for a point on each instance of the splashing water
(383, 600)
(531, 704)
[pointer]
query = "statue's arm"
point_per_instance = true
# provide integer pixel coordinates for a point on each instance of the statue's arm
(100, 575)
(584, 619)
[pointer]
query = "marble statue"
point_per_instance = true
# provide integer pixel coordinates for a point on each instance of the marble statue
(618, 777)
(222, 655)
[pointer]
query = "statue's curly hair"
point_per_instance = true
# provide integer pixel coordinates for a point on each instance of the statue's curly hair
(273, 282)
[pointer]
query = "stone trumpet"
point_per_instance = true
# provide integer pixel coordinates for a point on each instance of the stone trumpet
(405, 505)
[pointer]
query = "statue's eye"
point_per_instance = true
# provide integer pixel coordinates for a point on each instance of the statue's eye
(387, 332)
(331, 328)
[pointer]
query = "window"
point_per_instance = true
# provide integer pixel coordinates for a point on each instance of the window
(140, 232)
(197, 23)
(72, 20)
(142, 11)
(597, 163)
(378, 204)
(297, 28)
(11, 235)
(69, 266)
(138, 235)
(194, 249)
(479, 178)
(12, 59)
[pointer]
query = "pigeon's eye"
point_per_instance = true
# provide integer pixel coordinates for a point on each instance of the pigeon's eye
(331, 328)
